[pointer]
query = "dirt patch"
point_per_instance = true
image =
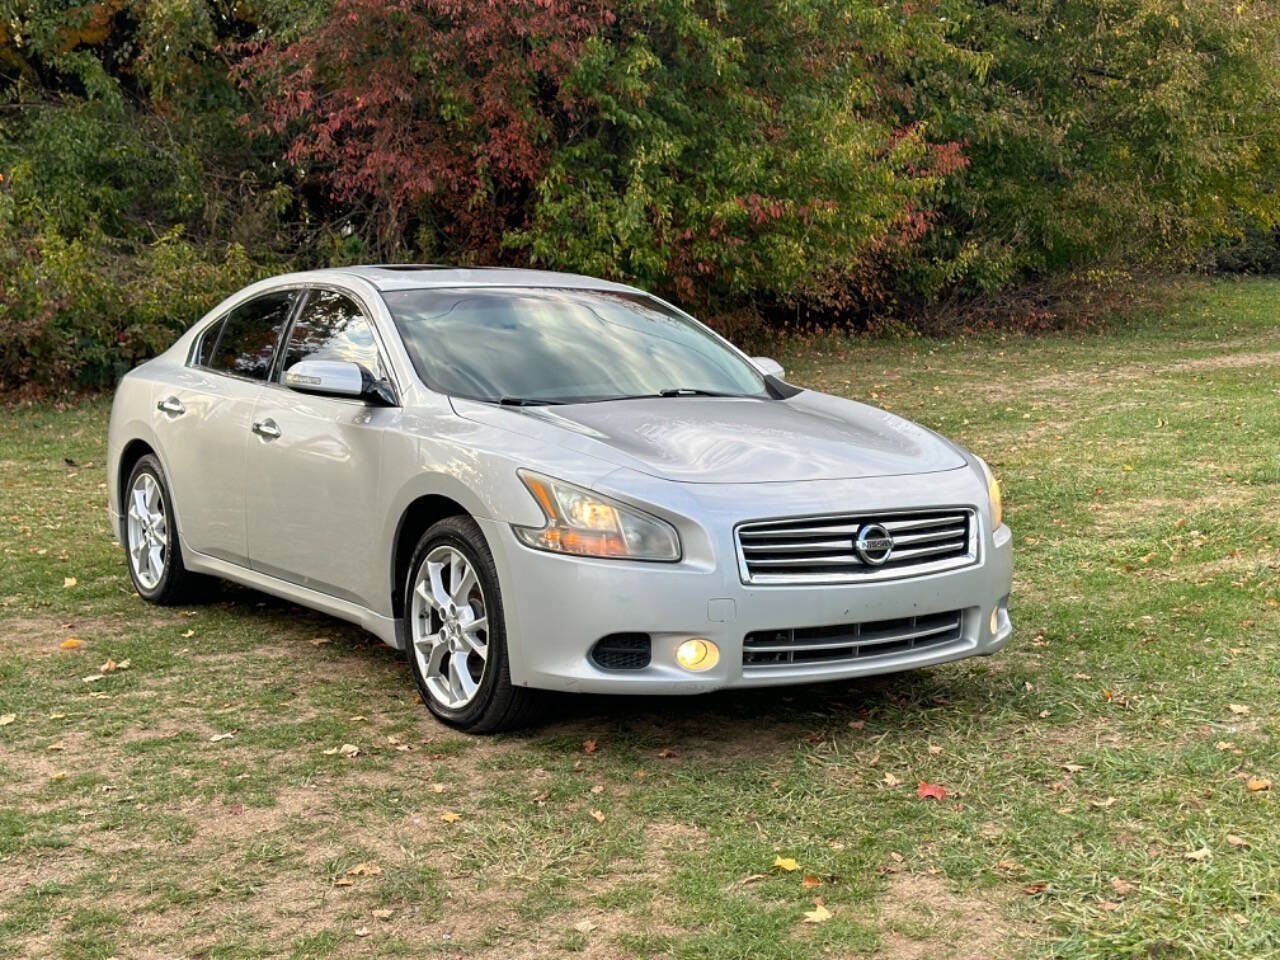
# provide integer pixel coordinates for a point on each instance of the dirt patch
(922, 918)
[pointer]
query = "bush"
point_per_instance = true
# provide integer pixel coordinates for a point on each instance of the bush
(80, 313)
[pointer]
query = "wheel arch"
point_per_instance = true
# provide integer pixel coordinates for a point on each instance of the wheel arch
(416, 518)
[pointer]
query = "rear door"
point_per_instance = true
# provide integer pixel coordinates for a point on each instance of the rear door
(204, 422)
(315, 501)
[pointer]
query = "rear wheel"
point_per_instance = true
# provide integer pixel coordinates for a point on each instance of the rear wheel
(457, 644)
(151, 536)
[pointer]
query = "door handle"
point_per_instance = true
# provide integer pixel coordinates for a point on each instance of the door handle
(266, 429)
(171, 405)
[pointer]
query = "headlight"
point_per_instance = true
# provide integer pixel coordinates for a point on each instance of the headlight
(993, 491)
(588, 525)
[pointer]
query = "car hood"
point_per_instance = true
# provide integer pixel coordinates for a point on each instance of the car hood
(810, 436)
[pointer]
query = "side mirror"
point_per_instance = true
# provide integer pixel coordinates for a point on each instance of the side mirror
(336, 378)
(768, 366)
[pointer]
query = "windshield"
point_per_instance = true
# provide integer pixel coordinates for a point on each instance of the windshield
(514, 344)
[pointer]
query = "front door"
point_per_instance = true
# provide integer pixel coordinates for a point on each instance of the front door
(314, 497)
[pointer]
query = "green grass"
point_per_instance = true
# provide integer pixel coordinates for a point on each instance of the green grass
(1142, 482)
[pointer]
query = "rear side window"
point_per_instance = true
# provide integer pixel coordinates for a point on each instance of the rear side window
(250, 335)
(331, 327)
(208, 340)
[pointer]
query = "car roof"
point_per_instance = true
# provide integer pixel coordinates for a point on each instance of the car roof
(414, 276)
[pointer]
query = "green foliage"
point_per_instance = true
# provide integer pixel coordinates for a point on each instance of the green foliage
(836, 161)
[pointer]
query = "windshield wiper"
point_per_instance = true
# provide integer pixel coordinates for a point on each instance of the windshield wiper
(695, 392)
(525, 402)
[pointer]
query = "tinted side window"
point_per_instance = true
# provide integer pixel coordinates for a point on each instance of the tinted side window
(331, 327)
(250, 334)
(208, 340)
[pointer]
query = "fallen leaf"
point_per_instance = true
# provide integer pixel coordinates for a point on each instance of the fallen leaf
(752, 878)
(361, 931)
(108, 667)
(934, 749)
(437, 788)
(896, 857)
(71, 643)
(786, 863)
(68, 582)
(315, 641)
(343, 882)
(1227, 745)
(7, 719)
(933, 791)
(1102, 804)
(598, 788)
(584, 926)
(365, 870)
(1236, 841)
(891, 781)
(1108, 905)
(57, 745)
(219, 737)
(809, 880)
(597, 816)
(1239, 709)
(857, 724)
(819, 913)
(1012, 866)
(666, 753)
(589, 746)
(359, 718)
(1032, 889)
(92, 678)
(382, 913)
(1256, 784)
(1121, 887)
(450, 816)
(1204, 853)
(1072, 767)
(123, 665)
(349, 750)
(60, 775)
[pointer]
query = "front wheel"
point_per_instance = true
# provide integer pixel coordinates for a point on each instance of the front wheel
(457, 642)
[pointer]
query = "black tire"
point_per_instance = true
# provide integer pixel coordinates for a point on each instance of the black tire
(175, 584)
(496, 704)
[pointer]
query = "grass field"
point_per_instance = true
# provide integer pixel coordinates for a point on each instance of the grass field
(1106, 776)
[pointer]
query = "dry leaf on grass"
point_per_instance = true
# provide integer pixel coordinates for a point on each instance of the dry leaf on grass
(584, 926)
(819, 913)
(810, 881)
(1239, 709)
(589, 746)
(891, 781)
(68, 582)
(362, 931)
(55, 777)
(1121, 887)
(71, 643)
(667, 753)
(57, 745)
(786, 863)
(930, 791)
(450, 816)
(219, 737)
(1035, 889)
(597, 816)
(7, 719)
(1204, 853)
(1237, 841)
(365, 870)
(347, 750)
(1256, 784)
(382, 913)
(187, 635)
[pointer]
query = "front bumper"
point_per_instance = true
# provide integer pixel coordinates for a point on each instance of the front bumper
(557, 607)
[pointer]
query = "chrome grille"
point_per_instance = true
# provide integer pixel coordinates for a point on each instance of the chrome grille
(850, 641)
(822, 549)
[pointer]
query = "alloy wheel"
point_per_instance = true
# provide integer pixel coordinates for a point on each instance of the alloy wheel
(148, 531)
(450, 627)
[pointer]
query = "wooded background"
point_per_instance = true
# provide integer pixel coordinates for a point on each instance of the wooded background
(766, 163)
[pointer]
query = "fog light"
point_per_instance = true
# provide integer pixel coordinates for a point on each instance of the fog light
(995, 620)
(697, 654)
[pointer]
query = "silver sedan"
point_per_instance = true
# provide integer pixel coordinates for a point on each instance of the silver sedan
(534, 481)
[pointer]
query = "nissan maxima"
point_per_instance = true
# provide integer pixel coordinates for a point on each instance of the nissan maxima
(534, 481)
